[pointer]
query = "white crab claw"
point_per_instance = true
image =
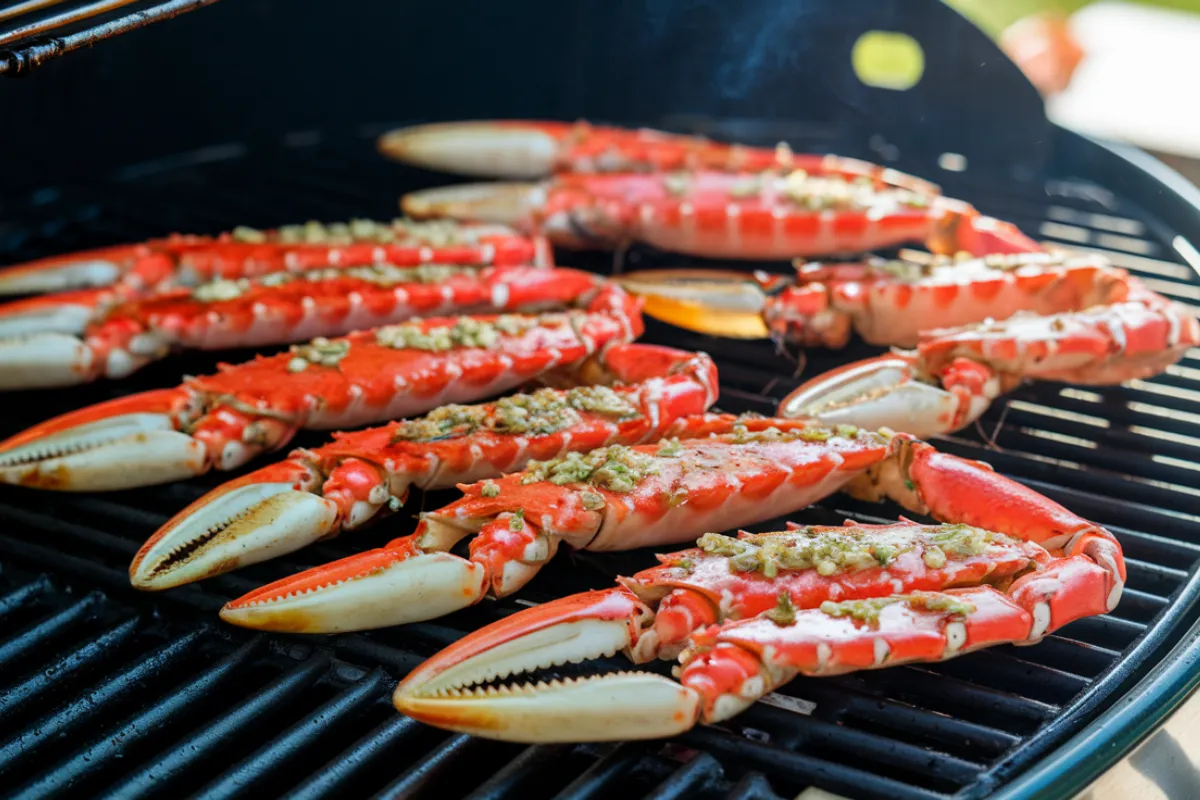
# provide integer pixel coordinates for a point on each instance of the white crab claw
(46, 315)
(446, 690)
(374, 589)
(231, 528)
(475, 149)
(57, 275)
(504, 203)
(876, 393)
(44, 361)
(121, 444)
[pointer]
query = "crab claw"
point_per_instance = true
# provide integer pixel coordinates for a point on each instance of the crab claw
(88, 268)
(445, 690)
(130, 441)
(515, 204)
(263, 515)
(513, 150)
(889, 392)
(66, 312)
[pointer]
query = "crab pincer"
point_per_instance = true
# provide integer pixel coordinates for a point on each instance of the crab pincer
(634, 393)
(760, 216)
(189, 260)
(221, 421)
(745, 615)
(531, 149)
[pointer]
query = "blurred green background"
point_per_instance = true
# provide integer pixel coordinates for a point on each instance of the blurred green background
(994, 16)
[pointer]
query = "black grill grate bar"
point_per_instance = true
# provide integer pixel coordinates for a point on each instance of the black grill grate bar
(1156, 579)
(456, 752)
(689, 779)
(40, 635)
(23, 595)
(948, 732)
(596, 779)
(518, 773)
(159, 716)
(68, 666)
(837, 742)
(1140, 606)
(333, 779)
(93, 704)
(290, 746)
(240, 721)
(803, 769)
(1106, 631)
(1070, 655)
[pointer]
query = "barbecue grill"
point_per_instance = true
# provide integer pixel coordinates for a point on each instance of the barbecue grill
(108, 692)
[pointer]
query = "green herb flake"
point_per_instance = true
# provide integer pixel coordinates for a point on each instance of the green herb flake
(516, 523)
(490, 489)
(784, 612)
(320, 352)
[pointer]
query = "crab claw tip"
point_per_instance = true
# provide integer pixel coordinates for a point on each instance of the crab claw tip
(503, 203)
(44, 361)
(120, 444)
(446, 690)
(476, 149)
(241, 526)
(388, 586)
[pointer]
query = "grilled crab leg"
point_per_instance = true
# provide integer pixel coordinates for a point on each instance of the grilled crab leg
(222, 421)
(343, 485)
(745, 615)
(275, 309)
(532, 149)
(954, 374)
(725, 215)
(1075, 319)
(185, 260)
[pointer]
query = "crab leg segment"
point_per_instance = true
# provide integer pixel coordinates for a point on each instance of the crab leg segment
(180, 260)
(529, 149)
(386, 373)
(744, 616)
(276, 309)
(721, 471)
(718, 214)
(365, 473)
(954, 374)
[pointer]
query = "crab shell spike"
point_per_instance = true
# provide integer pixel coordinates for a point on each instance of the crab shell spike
(263, 515)
(886, 392)
(132, 440)
(574, 629)
(479, 149)
(506, 203)
(88, 268)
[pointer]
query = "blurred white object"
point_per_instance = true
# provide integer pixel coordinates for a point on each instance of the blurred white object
(1137, 82)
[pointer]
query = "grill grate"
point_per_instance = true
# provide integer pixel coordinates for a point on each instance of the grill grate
(107, 692)
(39, 30)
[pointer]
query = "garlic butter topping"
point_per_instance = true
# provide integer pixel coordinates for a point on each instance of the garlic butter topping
(540, 413)
(616, 468)
(833, 551)
(868, 610)
(464, 332)
(319, 352)
(434, 233)
(378, 274)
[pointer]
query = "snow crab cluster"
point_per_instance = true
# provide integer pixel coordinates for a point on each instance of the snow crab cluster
(429, 324)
